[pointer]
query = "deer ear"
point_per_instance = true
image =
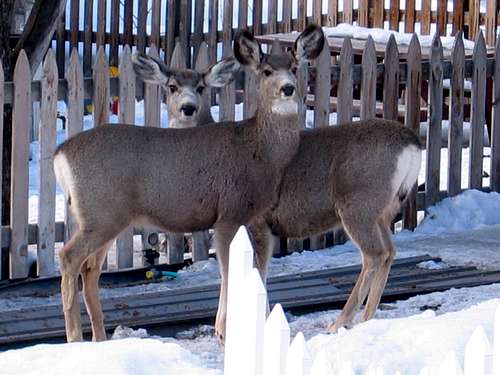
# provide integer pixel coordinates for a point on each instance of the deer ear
(310, 43)
(246, 49)
(221, 73)
(150, 69)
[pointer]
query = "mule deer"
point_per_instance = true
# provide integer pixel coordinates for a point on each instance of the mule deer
(356, 176)
(188, 105)
(116, 175)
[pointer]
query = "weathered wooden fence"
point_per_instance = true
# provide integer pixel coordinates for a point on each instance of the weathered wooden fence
(90, 24)
(256, 345)
(379, 85)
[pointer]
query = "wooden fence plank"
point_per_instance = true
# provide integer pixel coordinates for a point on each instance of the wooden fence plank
(3, 267)
(455, 131)
(61, 43)
(331, 19)
(474, 14)
(346, 60)
(199, 16)
(170, 18)
(101, 22)
(201, 239)
(394, 15)
(184, 22)
(425, 17)
(115, 29)
(178, 60)
(126, 107)
(287, 16)
(141, 25)
(101, 88)
(87, 45)
(495, 134)
(491, 21)
(213, 16)
(391, 80)
(442, 14)
(478, 118)
(347, 11)
(363, 13)
(435, 121)
(322, 89)
(369, 80)
(155, 23)
(128, 19)
(317, 11)
(412, 117)
(257, 17)
(47, 197)
(227, 94)
(75, 121)
(74, 23)
(21, 123)
(458, 17)
(302, 14)
(410, 16)
(378, 14)
(272, 9)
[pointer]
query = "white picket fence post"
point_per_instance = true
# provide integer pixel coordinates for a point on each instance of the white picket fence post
(450, 365)
(276, 342)
(496, 342)
(476, 351)
(240, 266)
(298, 360)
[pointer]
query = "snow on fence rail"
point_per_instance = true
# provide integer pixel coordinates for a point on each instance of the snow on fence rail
(328, 87)
(256, 346)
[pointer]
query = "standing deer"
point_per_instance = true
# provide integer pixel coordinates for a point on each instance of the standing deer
(354, 176)
(116, 175)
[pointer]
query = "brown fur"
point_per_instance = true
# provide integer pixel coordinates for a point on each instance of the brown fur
(117, 175)
(341, 176)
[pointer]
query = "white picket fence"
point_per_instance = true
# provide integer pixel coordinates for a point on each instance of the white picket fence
(256, 346)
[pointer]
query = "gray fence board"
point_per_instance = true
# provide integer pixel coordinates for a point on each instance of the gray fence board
(368, 84)
(344, 113)
(391, 80)
(495, 134)
(47, 193)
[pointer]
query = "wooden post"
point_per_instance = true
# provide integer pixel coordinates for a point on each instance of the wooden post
(347, 11)
(412, 117)
(410, 16)
(101, 89)
(2, 99)
(369, 80)
(495, 134)
(227, 95)
(425, 18)
(75, 122)
(344, 107)
(455, 130)
(432, 176)
(47, 197)
(21, 120)
(391, 80)
(478, 118)
(126, 115)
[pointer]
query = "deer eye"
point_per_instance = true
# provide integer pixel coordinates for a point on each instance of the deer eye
(172, 88)
(200, 89)
(267, 72)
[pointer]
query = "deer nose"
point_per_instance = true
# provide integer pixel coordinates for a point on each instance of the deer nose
(288, 90)
(188, 109)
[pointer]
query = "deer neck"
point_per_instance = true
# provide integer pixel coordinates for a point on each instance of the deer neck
(279, 135)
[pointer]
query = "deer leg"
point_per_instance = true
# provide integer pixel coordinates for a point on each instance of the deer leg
(91, 270)
(71, 258)
(263, 241)
(223, 236)
(366, 234)
(380, 278)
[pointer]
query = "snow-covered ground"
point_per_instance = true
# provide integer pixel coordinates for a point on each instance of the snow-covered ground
(404, 336)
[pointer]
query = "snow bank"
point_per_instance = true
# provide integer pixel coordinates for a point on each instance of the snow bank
(382, 36)
(120, 357)
(406, 344)
(472, 209)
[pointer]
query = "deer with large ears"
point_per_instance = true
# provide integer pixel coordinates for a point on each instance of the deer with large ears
(117, 175)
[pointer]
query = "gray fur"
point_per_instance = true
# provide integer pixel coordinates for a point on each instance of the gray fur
(117, 175)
